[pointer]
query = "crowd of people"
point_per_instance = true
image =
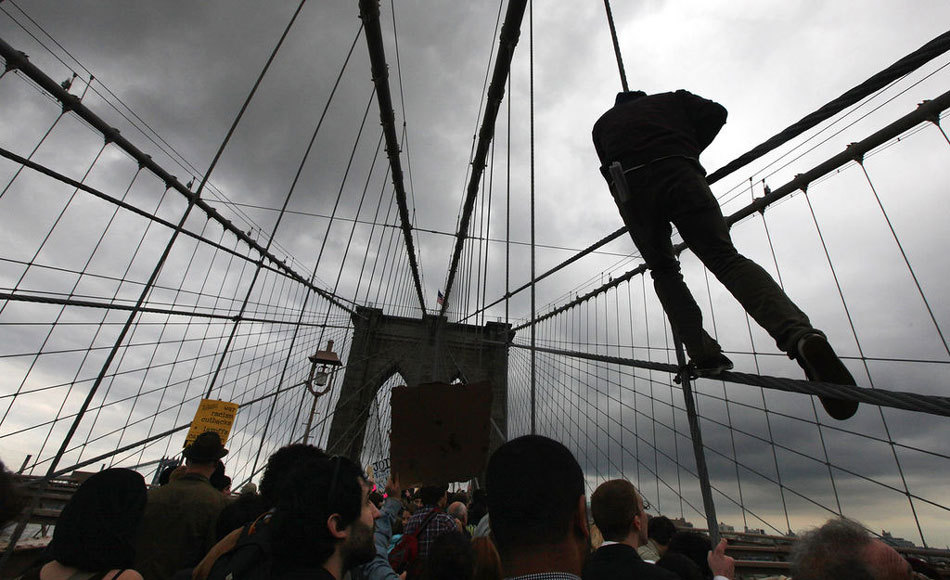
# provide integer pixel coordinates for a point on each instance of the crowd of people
(318, 516)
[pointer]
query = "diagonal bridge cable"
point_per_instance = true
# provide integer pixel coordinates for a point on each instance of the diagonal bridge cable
(902, 67)
(508, 40)
(369, 13)
(925, 112)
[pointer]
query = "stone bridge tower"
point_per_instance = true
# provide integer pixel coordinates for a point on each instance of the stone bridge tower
(425, 350)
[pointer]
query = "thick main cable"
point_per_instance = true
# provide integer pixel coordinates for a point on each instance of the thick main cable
(369, 13)
(510, 31)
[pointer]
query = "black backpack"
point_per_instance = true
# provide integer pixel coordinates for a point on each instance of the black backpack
(252, 558)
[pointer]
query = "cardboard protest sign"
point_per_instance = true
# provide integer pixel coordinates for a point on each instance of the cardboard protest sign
(440, 432)
(217, 416)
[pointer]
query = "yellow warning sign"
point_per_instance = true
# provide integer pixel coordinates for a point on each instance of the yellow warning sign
(217, 416)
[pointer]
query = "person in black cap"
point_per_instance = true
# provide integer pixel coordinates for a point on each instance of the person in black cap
(179, 524)
(649, 148)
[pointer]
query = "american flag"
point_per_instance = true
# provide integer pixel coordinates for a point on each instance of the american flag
(440, 299)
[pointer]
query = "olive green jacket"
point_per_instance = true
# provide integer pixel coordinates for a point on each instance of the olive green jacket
(178, 528)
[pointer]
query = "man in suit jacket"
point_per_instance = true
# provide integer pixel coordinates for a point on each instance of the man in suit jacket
(618, 511)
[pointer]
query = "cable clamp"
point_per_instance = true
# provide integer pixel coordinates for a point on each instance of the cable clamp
(858, 156)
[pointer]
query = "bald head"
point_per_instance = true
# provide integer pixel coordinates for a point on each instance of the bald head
(886, 562)
(842, 548)
(458, 511)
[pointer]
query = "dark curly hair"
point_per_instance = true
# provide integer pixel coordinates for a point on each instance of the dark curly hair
(314, 489)
(279, 466)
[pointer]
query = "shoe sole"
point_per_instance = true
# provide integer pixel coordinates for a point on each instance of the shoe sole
(714, 371)
(823, 365)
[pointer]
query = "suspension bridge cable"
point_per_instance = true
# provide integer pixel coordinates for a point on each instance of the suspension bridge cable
(135, 121)
(851, 153)
(369, 13)
(902, 67)
(533, 287)
(21, 63)
(616, 43)
(507, 42)
(931, 404)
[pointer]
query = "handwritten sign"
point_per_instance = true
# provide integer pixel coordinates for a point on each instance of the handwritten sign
(217, 416)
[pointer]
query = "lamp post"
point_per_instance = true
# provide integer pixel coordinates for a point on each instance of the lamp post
(329, 364)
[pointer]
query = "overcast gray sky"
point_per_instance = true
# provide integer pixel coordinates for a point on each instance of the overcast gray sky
(185, 68)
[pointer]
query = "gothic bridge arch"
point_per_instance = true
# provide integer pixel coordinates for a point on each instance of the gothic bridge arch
(421, 350)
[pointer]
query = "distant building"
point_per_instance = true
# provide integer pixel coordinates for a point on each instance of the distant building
(887, 538)
(681, 523)
(726, 527)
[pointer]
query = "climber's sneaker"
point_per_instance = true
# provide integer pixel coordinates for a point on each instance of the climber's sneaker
(820, 363)
(712, 366)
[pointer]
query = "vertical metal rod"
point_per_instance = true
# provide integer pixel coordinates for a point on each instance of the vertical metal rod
(697, 437)
(534, 362)
(613, 36)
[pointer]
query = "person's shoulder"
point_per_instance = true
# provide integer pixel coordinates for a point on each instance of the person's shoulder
(444, 516)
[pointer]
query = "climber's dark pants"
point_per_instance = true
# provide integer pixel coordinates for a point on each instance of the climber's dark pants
(675, 190)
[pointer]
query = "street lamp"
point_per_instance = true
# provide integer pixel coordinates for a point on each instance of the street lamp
(329, 363)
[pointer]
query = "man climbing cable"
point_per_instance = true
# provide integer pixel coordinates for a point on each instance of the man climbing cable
(649, 148)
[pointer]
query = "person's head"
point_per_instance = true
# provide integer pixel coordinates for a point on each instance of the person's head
(166, 475)
(618, 512)
(324, 512)
(218, 479)
(204, 454)
(97, 529)
(11, 501)
(536, 497)
(434, 495)
(450, 558)
(377, 499)
(628, 97)
(660, 529)
(458, 511)
(279, 466)
(402, 519)
(843, 548)
(487, 561)
(694, 546)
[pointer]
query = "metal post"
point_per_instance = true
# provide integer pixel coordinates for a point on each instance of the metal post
(313, 410)
(712, 523)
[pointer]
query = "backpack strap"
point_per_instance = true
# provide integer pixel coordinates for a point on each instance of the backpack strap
(426, 521)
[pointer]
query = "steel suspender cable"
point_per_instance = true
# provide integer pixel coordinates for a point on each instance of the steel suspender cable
(533, 287)
(613, 36)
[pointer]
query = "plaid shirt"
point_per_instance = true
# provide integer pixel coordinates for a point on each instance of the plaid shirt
(545, 576)
(438, 525)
